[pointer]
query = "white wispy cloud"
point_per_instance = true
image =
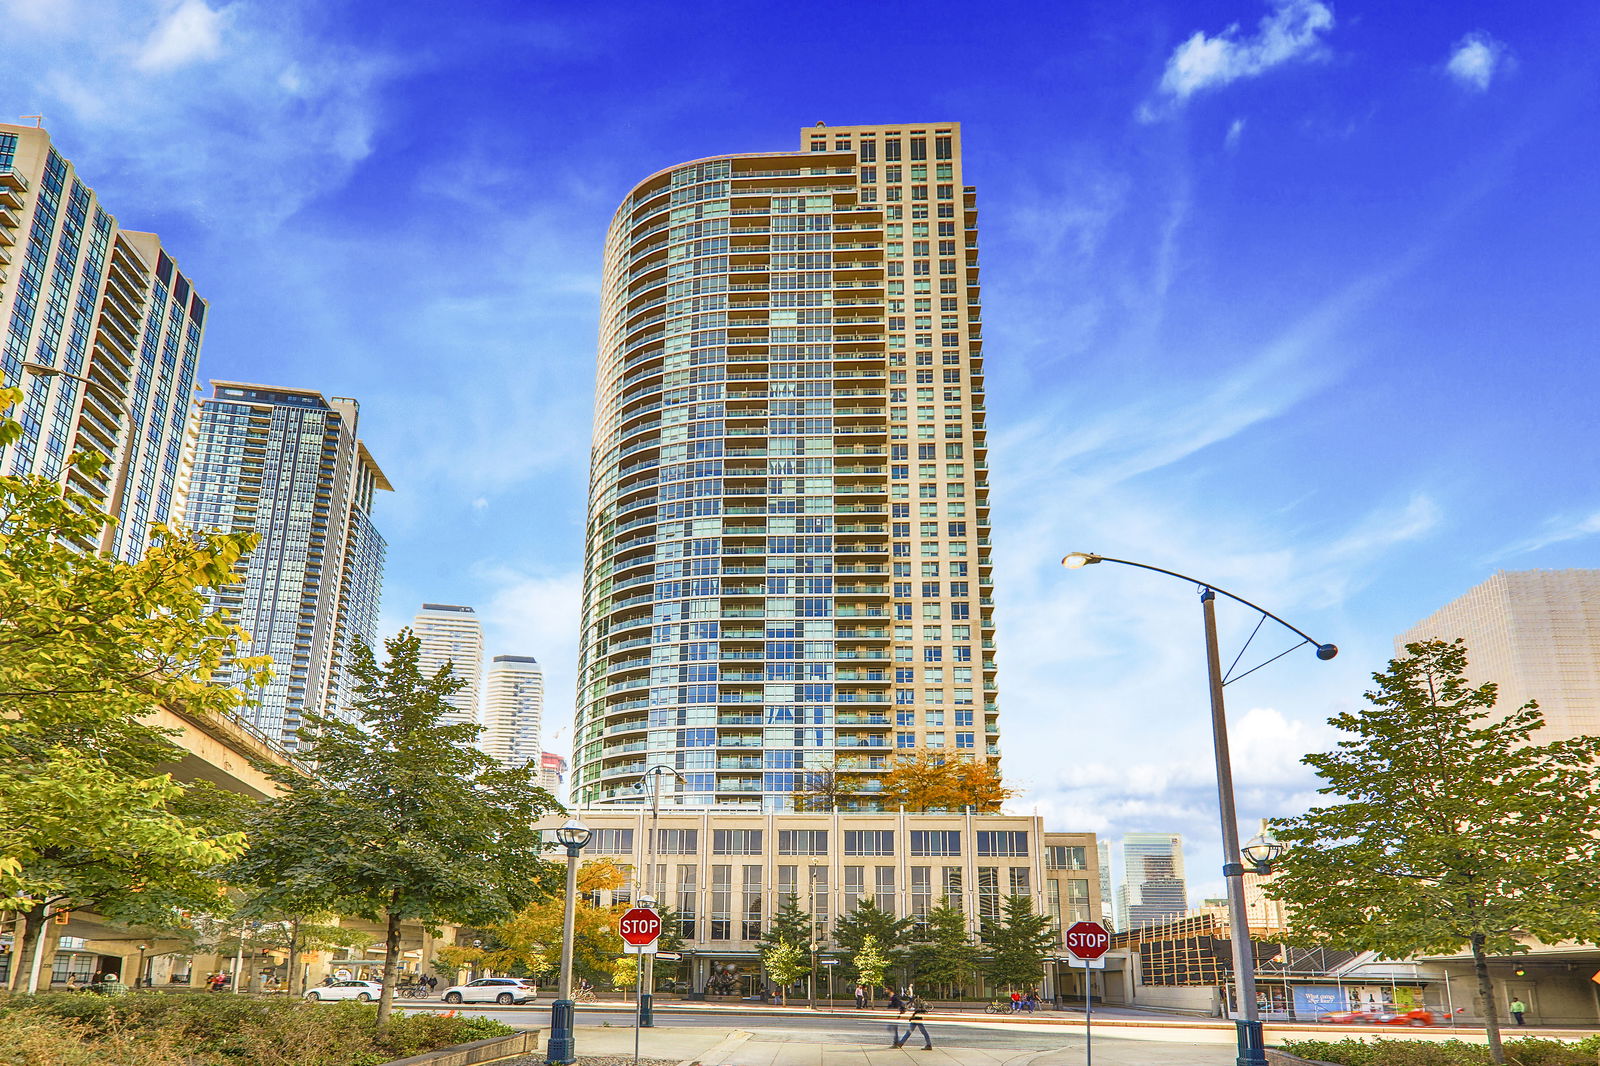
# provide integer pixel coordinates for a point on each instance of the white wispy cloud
(1555, 530)
(1234, 135)
(1475, 59)
(191, 32)
(1292, 30)
(240, 112)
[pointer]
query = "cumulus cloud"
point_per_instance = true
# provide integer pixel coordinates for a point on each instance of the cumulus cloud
(1293, 30)
(1474, 61)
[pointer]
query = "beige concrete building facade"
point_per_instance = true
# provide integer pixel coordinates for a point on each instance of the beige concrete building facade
(1536, 634)
(726, 872)
(788, 569)
(513, 710)
(102, 332)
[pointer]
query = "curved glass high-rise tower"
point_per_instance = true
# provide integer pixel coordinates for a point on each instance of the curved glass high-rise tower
(788, 572)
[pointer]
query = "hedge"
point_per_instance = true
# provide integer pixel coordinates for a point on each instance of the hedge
(154, 1029)
(1527, 1052)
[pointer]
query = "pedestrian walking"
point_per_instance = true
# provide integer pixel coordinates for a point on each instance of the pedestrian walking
(861, 996)
(896, 1003)
(918, 1009)
(1518, 1009)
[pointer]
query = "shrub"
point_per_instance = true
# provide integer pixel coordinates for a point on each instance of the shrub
(154, 1029)
(1380, 1052)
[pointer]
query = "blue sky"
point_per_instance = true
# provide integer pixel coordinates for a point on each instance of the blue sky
(1299, 297)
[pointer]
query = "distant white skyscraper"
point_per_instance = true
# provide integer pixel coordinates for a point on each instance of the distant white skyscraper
(513, 710)
(1153, 887)
(1107, 900)
(1536, 634)
(450, 634)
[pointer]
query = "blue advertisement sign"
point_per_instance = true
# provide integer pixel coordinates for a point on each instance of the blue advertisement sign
(1312, 1000)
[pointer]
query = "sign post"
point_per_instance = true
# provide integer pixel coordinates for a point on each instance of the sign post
(1087, 942)
(639, 928)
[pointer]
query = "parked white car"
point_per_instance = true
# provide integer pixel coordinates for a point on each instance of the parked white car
(492, 990)
(365, 991)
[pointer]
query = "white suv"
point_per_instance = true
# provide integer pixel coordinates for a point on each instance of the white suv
(492, 990)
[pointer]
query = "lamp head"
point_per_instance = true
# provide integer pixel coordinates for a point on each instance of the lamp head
(1327, 651)
(1262, 854)
(1079, 560)
(574, 835)
(41, 370)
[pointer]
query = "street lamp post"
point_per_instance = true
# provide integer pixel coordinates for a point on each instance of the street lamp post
(572, 836)
(652, 888)
(1247, 1019)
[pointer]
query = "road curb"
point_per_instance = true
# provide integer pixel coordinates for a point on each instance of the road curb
(719, 1051)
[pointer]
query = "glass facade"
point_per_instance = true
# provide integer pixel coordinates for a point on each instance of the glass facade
(739, 621)
(286, 465)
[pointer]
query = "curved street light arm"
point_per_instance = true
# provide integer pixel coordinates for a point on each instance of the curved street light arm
(1330, 649)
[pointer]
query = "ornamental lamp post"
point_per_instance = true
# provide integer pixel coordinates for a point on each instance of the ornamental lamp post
(1252, 1051)
(572, 836)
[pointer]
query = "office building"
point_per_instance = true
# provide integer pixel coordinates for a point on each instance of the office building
(288, 465)
(1536, 634)
(513, 710)
(102, 333)
(1153, 887)
(450, 635)
(726, 872)
(788, 573)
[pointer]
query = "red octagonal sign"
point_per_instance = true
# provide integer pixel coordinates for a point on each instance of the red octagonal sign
(1088, 940)
(640, 926)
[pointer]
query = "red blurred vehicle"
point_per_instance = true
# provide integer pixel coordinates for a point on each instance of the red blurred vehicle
(1387, 1015)
(1359, 1016)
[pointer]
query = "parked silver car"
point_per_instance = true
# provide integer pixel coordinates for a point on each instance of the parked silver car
(503, 990)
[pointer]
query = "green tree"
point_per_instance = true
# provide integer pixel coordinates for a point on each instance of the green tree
(870, 963)
(868, 919)
(1019, 942)
(404, 820)
(89, 646)
(944, 955)
(1453, 828)
(786, 964)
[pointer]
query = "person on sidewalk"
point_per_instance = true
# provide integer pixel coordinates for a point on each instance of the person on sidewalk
(1518, 1009)
(1016, 1002)
(918, 1009)
(861, 996)
(896, 1002)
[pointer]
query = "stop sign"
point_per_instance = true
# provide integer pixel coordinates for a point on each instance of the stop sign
(640, 926)
(1087, 940)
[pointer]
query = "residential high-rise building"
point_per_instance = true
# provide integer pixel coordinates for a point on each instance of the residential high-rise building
(788, 574)
(102, 333)
(513, 710)
(1153, 887)
(1536, 634)
(450, 634)
(287, 465)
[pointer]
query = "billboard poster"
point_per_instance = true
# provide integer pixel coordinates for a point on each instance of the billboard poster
(1312, 1000)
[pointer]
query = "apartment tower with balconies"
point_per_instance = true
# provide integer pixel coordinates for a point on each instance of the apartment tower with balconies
(788, 575)
(451, 635)
(101, 331)
(287, 465)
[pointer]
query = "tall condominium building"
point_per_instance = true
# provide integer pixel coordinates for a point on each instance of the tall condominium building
(102, 333)
(450, 634)
(287, 465)
(788, 568)
(1153, 887)
(1536, 634)
(513, 710)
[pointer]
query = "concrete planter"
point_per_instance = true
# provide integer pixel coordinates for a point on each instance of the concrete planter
(494, 1049)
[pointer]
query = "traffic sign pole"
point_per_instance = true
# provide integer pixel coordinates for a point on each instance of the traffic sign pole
(1087, 942)
(1088, 1015)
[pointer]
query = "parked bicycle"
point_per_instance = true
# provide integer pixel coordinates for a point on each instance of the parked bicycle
(413, 991)
(998, 1006)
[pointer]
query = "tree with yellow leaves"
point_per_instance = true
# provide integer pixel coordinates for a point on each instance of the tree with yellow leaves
(922, 781)
(531, 940)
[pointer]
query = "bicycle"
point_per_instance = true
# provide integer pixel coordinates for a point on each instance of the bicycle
(413, 991)
(583, 995)
(998, 1006)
